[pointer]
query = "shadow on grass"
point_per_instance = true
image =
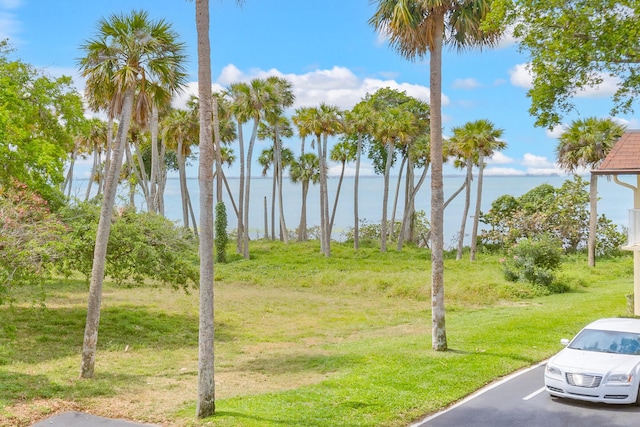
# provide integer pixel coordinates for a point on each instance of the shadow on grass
(18, 386)
(34, 335)
(278, 365)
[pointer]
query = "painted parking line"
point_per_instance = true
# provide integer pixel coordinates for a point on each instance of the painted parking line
(534, 394)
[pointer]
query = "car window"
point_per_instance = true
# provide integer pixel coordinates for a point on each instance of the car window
(607, 341)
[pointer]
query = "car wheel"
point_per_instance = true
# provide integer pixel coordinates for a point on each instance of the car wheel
(637, 402)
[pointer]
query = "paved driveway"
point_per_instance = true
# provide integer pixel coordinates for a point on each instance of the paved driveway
(80, 419)
(521, 400)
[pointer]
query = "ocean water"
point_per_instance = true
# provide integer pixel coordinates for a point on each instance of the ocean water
(614, 200)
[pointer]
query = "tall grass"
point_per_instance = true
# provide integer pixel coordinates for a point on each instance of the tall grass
(301, 339)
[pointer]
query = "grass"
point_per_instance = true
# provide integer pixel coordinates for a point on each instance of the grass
(301, 340)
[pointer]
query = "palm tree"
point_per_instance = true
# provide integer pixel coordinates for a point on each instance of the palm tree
(393, 126)
(126, 51)
(585, 144)
(306, 169)
(327, 123)
(416, 28)
(206, 401)
(284, 98)
(359, 120)
(179, 131)
(273, 128)
(487, 141)
(342, 153)
(251, 101)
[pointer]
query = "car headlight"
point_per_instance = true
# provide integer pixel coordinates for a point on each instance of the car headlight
(553, 371)
(620, 378)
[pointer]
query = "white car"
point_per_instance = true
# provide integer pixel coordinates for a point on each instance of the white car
(601, 364)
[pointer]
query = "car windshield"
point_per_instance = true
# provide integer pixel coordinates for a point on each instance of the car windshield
(607, 342)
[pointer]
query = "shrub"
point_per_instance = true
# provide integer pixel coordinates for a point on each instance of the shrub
(221, 238)
(141, 245)
(534, 261)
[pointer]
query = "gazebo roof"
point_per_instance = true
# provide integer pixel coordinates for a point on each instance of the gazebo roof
(624, 157)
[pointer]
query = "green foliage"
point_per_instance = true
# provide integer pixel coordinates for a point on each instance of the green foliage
(221, 239)
(573, 46)
(370, 232)
(38, 118)
(141, 245)
(561, 212)
(534, 261)
(31, 238)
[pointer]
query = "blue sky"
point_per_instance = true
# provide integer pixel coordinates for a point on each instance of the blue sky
(327, 50)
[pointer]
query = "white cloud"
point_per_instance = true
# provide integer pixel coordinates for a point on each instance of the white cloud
(536, 162)
(499, 158)
(336, 86)
(557, 131)
(468, 83)
(605, 89)
(520, 76)
(503, 172)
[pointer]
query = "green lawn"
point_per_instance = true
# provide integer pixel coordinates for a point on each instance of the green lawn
(301, 340)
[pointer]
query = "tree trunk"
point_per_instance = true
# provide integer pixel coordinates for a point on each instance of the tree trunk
(184, 195)
(395, 198)
(335, 202)
(356, 218)
(324, 243)
(278, 170)
(593, 220)
(476, 216)
(247, 192)
(302, 228)
(385, 198)
(465, 211)
(152, 201)
(438, 329)
(217, 150)
(90, 343)
(206, 402)
(266, 220)
(240, 235)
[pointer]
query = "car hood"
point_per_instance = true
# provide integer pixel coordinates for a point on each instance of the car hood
(593, 361)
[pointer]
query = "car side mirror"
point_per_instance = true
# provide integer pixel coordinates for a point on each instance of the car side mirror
(564, 342)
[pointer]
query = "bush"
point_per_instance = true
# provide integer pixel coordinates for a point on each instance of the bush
(32, 238)
(141, 245)
(221, 238)
(534, 261)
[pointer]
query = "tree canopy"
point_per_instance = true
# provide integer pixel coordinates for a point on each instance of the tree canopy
(39, 117)
(574, 46)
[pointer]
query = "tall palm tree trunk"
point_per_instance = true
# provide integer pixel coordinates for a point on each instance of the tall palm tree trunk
(279, 169)
(356, 218)
(302, 227)
(476, 215)
(323, 191)
(438, 329)
(206, 402)
(184, 195)
(152, 201)
(240, 235)
(395, 197)
(465, 210)
(247, 193)
(90, 342)
(385, 198)
(335, 202)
